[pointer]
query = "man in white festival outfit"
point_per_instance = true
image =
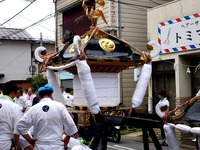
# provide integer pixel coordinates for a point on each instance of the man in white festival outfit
(48, 118)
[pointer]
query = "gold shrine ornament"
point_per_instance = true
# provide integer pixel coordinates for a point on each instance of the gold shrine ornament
(107, 45)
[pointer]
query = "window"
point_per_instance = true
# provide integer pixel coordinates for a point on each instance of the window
(76, 21)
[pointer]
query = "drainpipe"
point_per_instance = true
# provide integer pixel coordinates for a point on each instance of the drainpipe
(31, 58)
(56, 32)
(119, 34)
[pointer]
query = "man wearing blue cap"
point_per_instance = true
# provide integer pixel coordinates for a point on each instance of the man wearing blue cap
(48, 118)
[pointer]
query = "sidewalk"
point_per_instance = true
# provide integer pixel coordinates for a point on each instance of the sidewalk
(186, 144)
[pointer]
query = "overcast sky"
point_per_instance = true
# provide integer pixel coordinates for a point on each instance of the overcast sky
(35, 12)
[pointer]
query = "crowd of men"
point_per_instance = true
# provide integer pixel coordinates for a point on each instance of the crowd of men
(31, 119)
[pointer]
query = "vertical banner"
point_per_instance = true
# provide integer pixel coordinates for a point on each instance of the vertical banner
(113, 13)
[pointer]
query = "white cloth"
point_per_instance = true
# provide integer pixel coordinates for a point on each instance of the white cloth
(69, 99)
(57, 95)
(29, 99)
(87, 85)
(24, 95)
(161, 104)
(10, 114)
(81, 147)
(171, 137)
(21, 102)
(165, 101)
(73, 142)
(198, 93)
(48, 118)
(141, 86)
(64, 93)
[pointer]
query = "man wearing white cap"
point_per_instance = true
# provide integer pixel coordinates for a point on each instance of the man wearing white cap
(48, 118)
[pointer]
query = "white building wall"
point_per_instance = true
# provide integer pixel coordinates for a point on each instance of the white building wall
(15, 59)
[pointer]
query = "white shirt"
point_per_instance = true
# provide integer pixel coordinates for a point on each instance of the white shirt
(164, 101)
(21, 102)
(48, 118)
(69, 99)
(81, 147)
(29, 99)
(64, 93)
(10, 113)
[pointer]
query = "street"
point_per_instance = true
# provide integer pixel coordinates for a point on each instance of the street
(130, 142)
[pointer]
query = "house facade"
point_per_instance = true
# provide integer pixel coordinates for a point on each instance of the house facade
(176, 26)
(125, 19)
(17, 56)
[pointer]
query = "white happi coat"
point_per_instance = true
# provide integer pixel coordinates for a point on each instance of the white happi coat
(10, 114)
(21, 102)
(81, 147)
(48, 118)
(69, 100)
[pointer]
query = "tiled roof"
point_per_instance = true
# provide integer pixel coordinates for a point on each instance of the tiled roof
(14, 34)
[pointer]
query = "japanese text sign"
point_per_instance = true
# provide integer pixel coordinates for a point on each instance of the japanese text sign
(180, 34)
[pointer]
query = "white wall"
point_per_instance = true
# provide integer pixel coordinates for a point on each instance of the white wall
(171, 11)
(106, 86)
(15, 59)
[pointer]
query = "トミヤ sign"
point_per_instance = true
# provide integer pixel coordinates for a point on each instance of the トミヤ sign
(180, 34)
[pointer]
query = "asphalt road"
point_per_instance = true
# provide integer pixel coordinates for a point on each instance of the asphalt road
(129, 142)
(132, 142)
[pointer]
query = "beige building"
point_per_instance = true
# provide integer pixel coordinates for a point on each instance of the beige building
(176, 26)
(126, 19)
(17, 55)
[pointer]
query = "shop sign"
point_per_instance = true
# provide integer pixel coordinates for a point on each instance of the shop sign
(180, 34)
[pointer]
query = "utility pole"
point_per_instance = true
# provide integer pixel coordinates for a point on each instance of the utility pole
(40, 38)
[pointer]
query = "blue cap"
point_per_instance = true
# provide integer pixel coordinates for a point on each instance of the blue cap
(46, 87)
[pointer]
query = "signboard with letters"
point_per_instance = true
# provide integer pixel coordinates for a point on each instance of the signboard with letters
(180, 34)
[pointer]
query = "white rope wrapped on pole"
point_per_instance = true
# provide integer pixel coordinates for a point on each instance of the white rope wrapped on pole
(157, 50)
(52, 80)
(37, 53)
(171, 136)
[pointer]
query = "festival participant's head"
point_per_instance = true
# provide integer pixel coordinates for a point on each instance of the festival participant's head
(10, 89)
(45, 91)
(19, 93)
(162, 94)
(29, 91)
(86, 135)
(62, 89)
(69, 90)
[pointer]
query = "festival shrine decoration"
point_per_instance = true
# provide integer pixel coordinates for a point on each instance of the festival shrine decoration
(106, 55)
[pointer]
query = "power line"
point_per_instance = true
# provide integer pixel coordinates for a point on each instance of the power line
(41, 20)
(38, 24)
(17, 13)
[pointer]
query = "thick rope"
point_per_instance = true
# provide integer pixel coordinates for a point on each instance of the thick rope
(168, 113)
